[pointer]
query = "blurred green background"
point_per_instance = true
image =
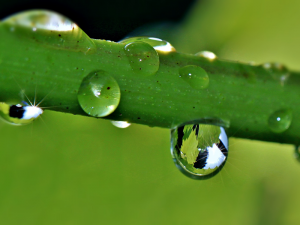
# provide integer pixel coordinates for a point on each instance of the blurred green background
(66, 169)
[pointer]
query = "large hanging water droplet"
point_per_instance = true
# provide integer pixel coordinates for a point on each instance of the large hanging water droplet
(49, 28)
(199, 150)
(143, 59)
(210, 56)
(120, 124)
(195, 76)
(99, 94)
(158, 44)
(17, 114)
(280, 120)
(277, 71)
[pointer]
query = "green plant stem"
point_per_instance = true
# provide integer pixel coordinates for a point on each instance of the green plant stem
(239, 96)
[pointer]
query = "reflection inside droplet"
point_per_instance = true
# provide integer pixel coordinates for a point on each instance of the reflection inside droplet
(199, 150)
(42, 19)
(157, 43)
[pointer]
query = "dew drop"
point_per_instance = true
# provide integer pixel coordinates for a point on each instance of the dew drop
(280, 120)
(143, 59)
(277, 71)
(157, 43)
(297, 153)
(17, 114)
(199, 150)
(210, 56)
(120, 124)
(49, 28)
(195, 76)
(99, 94)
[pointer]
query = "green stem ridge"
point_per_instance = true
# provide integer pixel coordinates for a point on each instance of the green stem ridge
(239, 96)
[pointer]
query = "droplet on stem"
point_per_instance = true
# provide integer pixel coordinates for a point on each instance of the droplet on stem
(195, 76)
(143, 59)
(280, 120)
(210, 56)
(120, 124)
(49, 28)
(157, 43)
(99, 94)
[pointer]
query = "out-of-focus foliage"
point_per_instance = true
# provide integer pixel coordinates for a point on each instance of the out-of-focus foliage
(78, 170)
(259, 31)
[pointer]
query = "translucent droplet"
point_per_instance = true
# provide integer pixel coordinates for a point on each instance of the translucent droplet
(277, 71)
(99, 94)
(120, 124)
(158, 44)
(17, 114)
(50, 28)
(143, 59)
(297, 153)
(210, 56)
(195, 76)
(280, 120)
(199, 150)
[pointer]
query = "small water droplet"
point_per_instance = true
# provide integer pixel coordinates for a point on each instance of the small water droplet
(277, 71)
(280, 120)
(49, 28)
(199, 150)
(195, 76)
(120, 124)
(99, 94)
(297, 153)
(210, 56)
(143, 59)
(17, 114)
(157, 43)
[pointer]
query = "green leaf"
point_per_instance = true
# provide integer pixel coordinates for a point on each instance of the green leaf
(189, 146)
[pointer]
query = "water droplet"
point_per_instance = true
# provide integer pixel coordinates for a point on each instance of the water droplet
(280, 120)
(297, 152)
(17, 114)
(158, 44)
(143, 59)
(199, 150)
(50, 28)
(120, 124)
(99, 94)
(195, 76)
(210, 56)
(277, 71)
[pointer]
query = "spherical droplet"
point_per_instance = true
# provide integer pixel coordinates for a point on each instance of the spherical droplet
(99, 94)
(17, 114)
(199, 150)
(158, 44)
(277, 71)
(49, 28)
(195, 76)
(142, 57)
(210, 56)
(120, 124)
(280, 120)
